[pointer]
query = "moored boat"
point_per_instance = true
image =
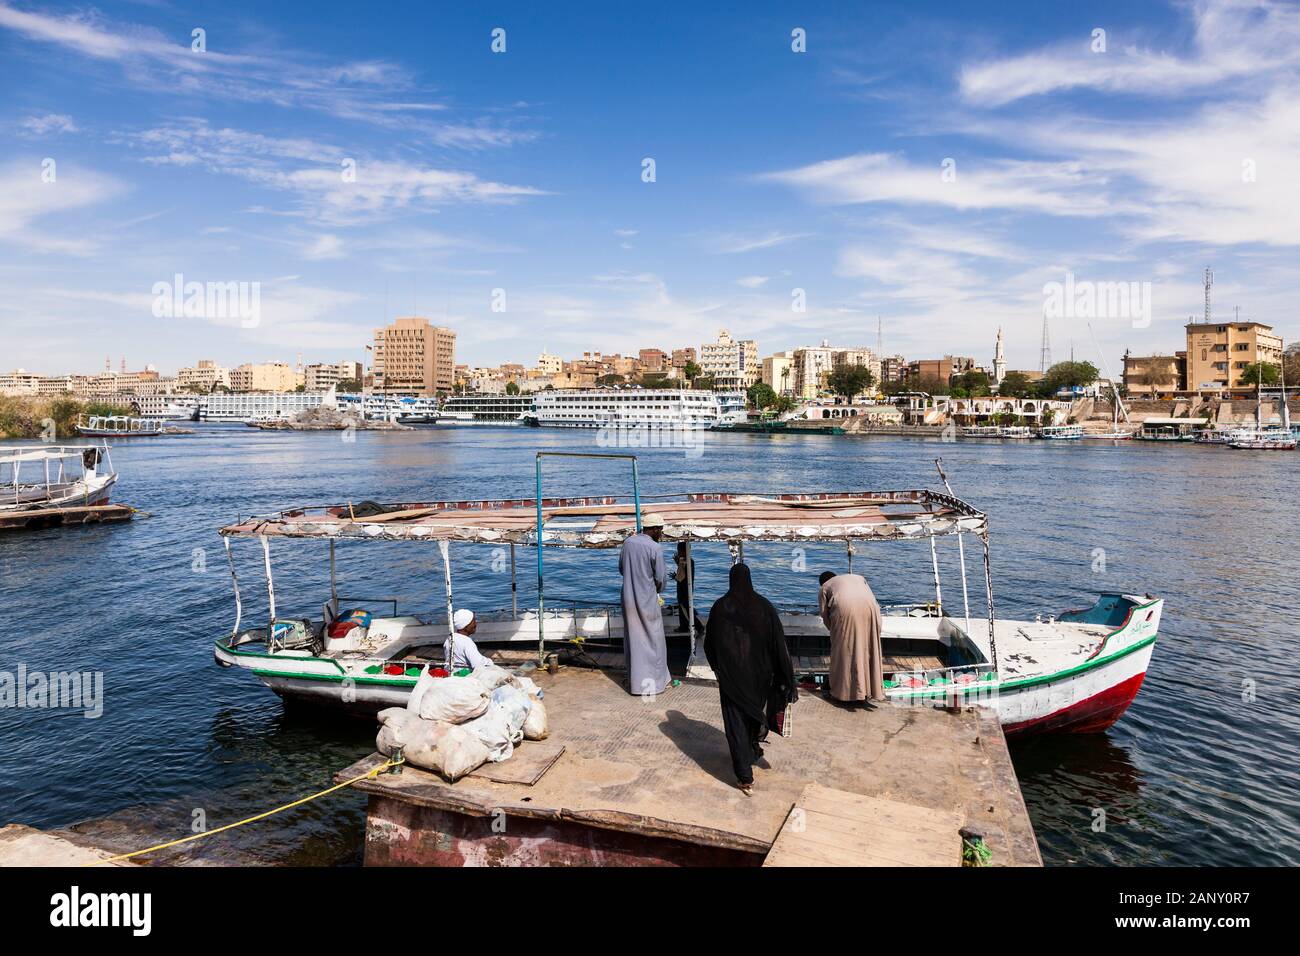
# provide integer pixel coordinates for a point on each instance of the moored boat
(1061, 432)
(54, 476)
(124, 426)
(1073, 672)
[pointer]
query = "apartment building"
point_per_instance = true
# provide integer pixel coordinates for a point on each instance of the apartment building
(1219, 352)
(412, 357)
(732, 363)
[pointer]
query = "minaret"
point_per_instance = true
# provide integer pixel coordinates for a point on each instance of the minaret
(999, 361)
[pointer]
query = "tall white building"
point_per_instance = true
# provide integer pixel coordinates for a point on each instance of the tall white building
(731, 363)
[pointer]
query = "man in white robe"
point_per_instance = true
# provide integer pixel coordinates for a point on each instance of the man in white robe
(464, 652)
(641, 562)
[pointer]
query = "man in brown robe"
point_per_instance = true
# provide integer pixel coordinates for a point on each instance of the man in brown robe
(850, 612)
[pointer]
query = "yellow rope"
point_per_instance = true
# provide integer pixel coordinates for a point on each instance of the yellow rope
(240, 823)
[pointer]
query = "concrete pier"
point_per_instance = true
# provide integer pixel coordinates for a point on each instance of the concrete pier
(629, 781)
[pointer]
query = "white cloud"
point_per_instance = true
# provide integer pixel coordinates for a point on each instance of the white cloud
(728, 243)
(752, 282)
(27, 202)
(48, 123)
(1058, 188)
(1233, 39)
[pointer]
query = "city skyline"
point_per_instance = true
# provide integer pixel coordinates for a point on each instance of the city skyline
(941, 195)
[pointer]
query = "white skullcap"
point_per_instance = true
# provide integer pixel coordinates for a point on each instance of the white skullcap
(652, 521)
(460, 620)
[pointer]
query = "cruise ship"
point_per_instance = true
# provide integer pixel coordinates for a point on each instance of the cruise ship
(405, 410)
(486, 410)
(259, 406)
(689, 409)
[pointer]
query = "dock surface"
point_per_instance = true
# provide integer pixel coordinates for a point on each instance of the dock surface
(26, 846)
(659, 770)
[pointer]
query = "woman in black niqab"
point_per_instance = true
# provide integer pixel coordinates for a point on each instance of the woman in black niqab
(745, 646)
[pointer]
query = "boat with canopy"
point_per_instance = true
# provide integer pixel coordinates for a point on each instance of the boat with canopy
(54, 476)
(1073, 672)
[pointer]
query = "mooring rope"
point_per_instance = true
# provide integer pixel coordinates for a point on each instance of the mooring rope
(252, 819)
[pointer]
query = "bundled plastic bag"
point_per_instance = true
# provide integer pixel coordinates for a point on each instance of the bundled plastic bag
(451, 699)
(515, 702)
(417, 692)
(535, 726)
(490, 677)
(398, 724)
(495, 731)
(446, 749)
(527, 686)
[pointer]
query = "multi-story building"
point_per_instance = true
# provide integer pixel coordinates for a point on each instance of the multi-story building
(653, 360)
(893, 368)
(778, 372)
(20, 382)
(412, 357)
(1154, 376)
(548, 364)
(943, 369)
(865, 357)
(263, 377)
(731, 363)
(203, 376)
(682, 356)
(1219, 352)
(811, 365)
(319, 377)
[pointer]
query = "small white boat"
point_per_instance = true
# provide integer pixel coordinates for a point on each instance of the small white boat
(54, 476)
(1108, 436)
(123, 426)
(1075, 672)
(1061, 432)
(1015, 431)
(979, 431)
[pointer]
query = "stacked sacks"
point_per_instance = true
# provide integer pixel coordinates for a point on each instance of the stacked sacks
(452, 725)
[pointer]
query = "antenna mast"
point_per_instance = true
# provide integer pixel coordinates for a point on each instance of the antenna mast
(1045, 355)
(1209, 281)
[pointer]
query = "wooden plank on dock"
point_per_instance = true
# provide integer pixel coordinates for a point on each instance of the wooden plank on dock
(525, 766)
(828, 827)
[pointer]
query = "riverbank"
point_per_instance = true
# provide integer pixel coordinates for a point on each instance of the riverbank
(49, 419)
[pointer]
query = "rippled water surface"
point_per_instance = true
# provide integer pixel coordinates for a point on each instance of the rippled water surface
(1202, 769)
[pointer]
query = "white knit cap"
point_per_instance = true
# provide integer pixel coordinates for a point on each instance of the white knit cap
(460, 620)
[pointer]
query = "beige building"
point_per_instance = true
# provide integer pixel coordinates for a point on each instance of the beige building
(321, 377)
(263, 377)
(731, 363)
(20, 382)
(548, 364)
(1218, 352)
(1154, 376)
(778, 372)
(413, 357)
(203, 376)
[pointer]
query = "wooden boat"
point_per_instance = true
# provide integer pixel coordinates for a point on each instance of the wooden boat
(1073, 672)
(54, 476)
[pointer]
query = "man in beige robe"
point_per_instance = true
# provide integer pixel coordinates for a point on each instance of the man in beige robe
(850, 612)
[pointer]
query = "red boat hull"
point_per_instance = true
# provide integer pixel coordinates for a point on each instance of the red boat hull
(1090, 716)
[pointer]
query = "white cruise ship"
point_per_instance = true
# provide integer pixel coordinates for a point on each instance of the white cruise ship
(691, 409)
(259, 406)
(486, 410)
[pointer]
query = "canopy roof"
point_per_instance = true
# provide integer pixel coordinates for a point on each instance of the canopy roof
(16, 453)
(605, 521)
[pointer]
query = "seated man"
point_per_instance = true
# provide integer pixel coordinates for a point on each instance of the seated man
(464, 652)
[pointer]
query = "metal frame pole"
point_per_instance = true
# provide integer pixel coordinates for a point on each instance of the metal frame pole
(334, 590)
(965, 597)
(988, 588)
(690, 599)
(514, 586)
(270, 585)
(234, 578)
(938, 591)
(444, 546)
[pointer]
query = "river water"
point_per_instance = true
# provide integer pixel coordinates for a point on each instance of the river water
(1201, 770)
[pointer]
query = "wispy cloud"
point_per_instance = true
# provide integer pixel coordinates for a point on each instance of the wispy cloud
(48, 124)
(29, 199)
(730, 243)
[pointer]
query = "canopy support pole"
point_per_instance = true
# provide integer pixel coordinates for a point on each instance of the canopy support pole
(988, 589)
(270, 585)
(444, 546)
(690, 600)
(334, 589)
(965, 597)
(514, 586)
(934, 560)
(848, 547)
(234, 579)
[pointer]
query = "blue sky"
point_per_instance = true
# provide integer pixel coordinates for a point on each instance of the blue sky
(522, 171)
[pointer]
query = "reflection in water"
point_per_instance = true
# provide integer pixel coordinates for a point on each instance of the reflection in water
(1202, 769)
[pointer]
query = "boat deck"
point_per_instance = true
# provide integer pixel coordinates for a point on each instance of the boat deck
(645, 781)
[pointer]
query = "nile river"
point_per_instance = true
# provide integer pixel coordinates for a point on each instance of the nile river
(1202, 769)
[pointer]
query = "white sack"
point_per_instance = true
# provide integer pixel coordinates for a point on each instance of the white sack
(453, 699)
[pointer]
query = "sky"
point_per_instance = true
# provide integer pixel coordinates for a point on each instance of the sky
(931, 167)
